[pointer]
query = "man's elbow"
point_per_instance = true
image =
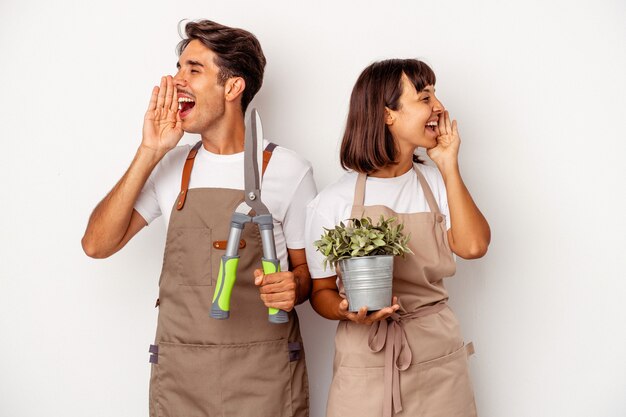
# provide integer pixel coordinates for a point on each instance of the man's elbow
(91, 249)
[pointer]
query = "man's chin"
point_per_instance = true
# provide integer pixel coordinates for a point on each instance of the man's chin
(189, 128)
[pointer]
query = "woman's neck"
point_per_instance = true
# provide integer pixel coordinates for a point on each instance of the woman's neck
(404, 164)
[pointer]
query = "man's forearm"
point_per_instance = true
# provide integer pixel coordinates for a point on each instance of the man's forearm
(110, 219)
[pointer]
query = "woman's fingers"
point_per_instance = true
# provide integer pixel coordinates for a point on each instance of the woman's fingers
(379, 315)
(442, 124)
(362, 316)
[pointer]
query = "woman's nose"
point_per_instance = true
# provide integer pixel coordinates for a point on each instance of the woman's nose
(438, 107)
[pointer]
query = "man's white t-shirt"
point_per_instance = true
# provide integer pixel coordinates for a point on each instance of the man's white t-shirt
(287, 187)
(402, 194)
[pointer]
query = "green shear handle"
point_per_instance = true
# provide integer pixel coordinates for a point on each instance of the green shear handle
(227, 275)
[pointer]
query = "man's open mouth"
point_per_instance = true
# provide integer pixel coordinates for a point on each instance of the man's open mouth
(185, 104)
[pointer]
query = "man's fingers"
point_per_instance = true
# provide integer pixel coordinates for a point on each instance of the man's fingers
(277, 297)
(285, 305)
(179, 121)
(258, 277)
(169, 91)
(282, 301)
(153, 99)
(277, 277)
(276, 288)
(161, 96)
(174, 105)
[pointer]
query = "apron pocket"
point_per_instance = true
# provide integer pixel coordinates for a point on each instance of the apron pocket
(356, 391)
(443, 386)
(255, 379)
(192, 260)
(186, 382)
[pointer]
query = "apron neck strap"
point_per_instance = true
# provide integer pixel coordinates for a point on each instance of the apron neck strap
(184, 183)
(359, 191)
(428, 193)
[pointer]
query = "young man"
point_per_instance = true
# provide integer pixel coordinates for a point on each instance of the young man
(243, 366)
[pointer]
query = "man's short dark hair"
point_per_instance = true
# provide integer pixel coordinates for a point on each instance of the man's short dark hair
(238, 51)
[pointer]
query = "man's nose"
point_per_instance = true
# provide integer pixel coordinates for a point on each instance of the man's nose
(179, 80)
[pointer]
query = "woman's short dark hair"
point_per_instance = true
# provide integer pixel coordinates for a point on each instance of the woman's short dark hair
(367, 144)
(238, 51)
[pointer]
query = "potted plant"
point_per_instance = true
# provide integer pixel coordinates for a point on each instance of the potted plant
(363, 254)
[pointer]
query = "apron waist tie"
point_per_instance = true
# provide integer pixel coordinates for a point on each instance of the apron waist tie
(390, 335)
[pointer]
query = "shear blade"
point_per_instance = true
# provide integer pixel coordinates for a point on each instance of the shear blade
(253, 160)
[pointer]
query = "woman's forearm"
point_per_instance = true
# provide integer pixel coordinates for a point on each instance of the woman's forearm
(469, 234)
(326, 303)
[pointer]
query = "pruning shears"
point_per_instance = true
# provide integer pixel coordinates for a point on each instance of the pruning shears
(253, 164)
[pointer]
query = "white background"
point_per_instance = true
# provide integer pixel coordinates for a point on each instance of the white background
(540, 94)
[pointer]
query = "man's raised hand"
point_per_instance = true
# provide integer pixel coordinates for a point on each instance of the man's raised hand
(162, 127)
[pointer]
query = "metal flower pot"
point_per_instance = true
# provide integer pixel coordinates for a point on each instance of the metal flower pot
(367, 281)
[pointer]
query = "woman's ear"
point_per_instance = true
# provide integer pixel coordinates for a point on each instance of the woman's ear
(234, 88)
(389, 117)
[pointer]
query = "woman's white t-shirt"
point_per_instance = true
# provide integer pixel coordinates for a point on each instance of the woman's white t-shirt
(402, 194)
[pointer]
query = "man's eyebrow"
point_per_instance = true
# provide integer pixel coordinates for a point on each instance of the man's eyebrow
(191, 63)
(428, 90)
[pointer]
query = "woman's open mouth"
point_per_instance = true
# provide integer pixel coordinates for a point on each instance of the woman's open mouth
(432, 127)
(185, 105)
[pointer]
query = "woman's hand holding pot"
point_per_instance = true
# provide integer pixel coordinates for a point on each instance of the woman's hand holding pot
(362, 317)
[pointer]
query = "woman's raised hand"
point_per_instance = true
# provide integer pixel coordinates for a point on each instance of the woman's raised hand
(362, 317)
(448, 142)
(162, 127)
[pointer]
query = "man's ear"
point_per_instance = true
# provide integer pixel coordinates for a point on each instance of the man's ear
(234, 88)
(389, 117)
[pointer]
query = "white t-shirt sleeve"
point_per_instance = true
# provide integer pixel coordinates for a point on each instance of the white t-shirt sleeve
(331, 206)
(316, 221)
(147, 204)
(295, 214)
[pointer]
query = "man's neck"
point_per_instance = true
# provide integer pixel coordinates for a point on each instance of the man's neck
(227, 137)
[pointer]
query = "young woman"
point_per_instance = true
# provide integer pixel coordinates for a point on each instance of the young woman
(408, 359)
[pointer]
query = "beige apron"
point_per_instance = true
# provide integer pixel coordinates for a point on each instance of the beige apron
(202, 367)
(415, 363)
